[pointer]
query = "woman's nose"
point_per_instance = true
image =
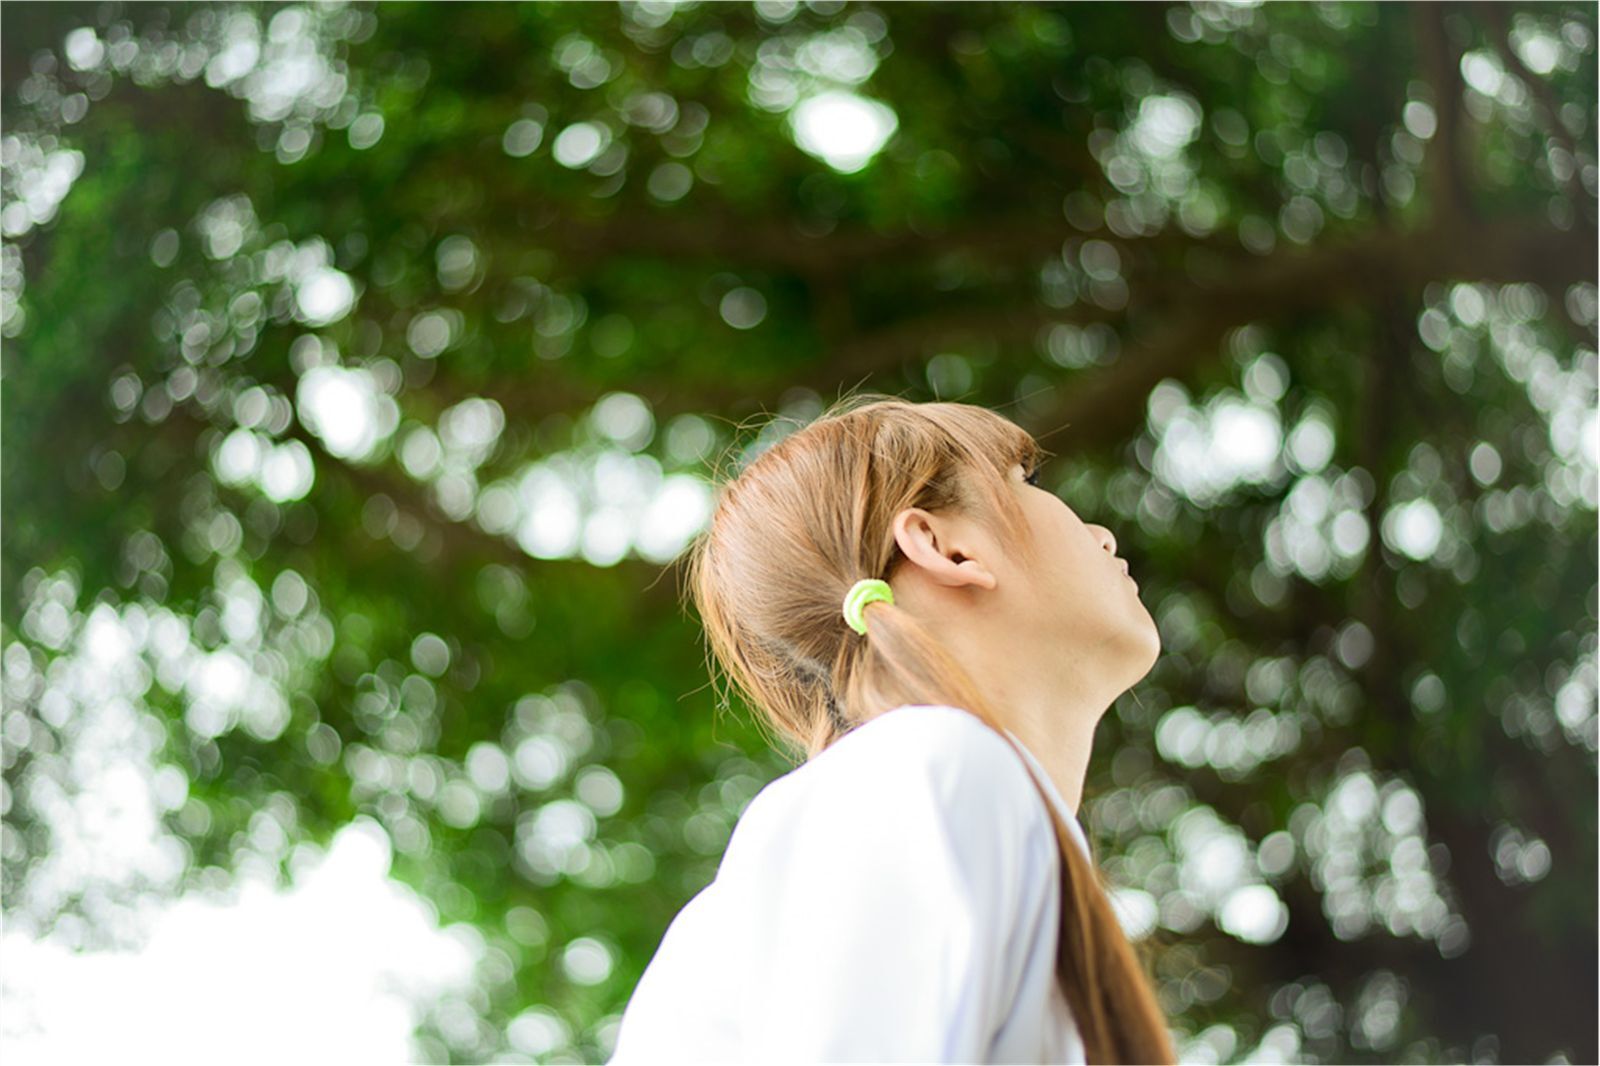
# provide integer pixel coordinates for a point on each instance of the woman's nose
(1108, 539)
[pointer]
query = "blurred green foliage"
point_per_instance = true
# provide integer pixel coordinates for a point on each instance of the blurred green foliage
(366, 365)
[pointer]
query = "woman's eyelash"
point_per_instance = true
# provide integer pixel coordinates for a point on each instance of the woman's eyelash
(1032, 477)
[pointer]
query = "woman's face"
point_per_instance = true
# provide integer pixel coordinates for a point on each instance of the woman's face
(1083, 597)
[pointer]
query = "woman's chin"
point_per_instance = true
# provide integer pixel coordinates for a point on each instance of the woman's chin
(1152, 643)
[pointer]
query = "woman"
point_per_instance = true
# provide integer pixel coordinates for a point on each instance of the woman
(894, 594)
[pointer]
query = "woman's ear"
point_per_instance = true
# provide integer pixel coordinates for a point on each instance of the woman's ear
(942, 547)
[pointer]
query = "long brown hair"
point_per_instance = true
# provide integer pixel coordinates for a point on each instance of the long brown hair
(803, 521)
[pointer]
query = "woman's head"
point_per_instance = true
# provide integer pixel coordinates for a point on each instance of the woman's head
(934, 498)
(988, 572)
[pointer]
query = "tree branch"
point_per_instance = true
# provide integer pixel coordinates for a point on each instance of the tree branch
(1449, 195)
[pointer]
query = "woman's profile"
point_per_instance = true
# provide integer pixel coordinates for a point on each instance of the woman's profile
(896, 597)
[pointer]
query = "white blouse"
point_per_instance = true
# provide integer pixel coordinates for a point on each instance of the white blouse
(894, 899)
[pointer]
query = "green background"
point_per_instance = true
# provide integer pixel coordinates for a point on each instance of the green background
(1301, 296)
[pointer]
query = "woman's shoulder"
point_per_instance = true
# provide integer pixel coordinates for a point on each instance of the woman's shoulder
(918, 754)
(950, 742)
(955, 744)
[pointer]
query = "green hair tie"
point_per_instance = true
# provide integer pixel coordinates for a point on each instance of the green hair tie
(867, 590)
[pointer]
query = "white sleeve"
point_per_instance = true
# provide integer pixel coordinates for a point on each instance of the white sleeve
(885, 899)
